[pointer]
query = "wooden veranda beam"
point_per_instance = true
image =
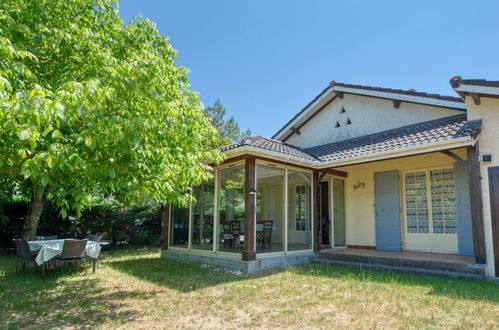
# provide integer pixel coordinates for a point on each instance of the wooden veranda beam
(249, 252)
(316, 210)
(334, 172)
(456, 157)
(476, 205)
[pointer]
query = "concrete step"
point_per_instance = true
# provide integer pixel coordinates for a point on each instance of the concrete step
(409, 264)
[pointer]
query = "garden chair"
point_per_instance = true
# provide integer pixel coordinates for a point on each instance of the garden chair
(23, 254)
(94, 238)
(73, 251)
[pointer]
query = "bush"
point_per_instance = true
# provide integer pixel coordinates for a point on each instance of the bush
(118, 224)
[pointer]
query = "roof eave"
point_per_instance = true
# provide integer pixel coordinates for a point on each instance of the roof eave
(402, 97)
(305, 113)
(480, 90)
(251, 150)
(466, 141)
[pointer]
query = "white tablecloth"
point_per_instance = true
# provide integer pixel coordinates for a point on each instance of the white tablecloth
(50, 248)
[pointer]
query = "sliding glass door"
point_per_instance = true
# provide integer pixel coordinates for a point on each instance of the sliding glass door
(270, 228)
(299, 211)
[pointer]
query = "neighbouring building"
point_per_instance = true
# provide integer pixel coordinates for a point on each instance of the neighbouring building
(361, 175)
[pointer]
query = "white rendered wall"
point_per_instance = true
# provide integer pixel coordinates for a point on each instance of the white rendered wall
(488, 111)
(360, 209)
(367, 114)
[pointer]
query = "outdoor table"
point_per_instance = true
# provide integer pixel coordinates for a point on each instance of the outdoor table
(48, 249)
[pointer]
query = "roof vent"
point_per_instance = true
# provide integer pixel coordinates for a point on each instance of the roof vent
(342, 110)
(349, 121)
(337, 124)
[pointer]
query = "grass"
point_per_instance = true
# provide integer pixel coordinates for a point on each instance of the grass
(137, 289)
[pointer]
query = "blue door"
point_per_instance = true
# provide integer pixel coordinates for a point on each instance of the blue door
(463, 211)
(387, 206)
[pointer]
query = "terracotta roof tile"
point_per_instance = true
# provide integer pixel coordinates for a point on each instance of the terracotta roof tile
(408, 136)
(270, 145)
(434, 131)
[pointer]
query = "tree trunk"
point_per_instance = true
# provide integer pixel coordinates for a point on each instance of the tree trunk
(165, 224)
(34, 212)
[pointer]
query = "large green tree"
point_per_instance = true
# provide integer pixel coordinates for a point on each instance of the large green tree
(88, 102)
(228, 129)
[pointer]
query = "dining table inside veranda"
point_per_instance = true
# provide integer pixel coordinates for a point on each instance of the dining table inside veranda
(48, 249)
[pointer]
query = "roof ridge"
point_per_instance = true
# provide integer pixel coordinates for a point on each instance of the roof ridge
(386, 132)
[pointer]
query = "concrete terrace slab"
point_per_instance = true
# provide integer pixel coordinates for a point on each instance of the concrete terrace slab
(234, 262)
(440, 262)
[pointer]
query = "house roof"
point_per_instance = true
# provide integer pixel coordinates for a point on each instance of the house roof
(458, 81)
(475, 87)
(421, 134)
(410, 92)
(336, 88)
(270, 145)
(408, 136)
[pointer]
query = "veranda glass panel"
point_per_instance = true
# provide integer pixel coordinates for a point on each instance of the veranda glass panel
(202, 217)
(270, 227)
(231, 209)
(179, 231)
(443, 201)
(299, 211)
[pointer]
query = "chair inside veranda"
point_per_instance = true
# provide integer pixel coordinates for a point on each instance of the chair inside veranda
(264, 234)
(232, 236)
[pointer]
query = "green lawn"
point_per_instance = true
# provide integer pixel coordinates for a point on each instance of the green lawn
(135, 288)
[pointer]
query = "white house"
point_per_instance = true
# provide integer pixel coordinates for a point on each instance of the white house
(361, 174)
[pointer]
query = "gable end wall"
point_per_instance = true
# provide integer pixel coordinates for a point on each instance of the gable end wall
(367, 115)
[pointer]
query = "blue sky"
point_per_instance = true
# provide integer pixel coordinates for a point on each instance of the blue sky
(265, 60)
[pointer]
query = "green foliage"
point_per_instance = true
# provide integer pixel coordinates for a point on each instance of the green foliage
(227, 128)
(88, 103)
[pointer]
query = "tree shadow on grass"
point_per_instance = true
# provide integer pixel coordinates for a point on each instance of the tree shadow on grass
(453, 287)
(182, 276)
(26, 300)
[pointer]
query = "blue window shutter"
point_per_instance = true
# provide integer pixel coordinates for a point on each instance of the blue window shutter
(387, 205)
(463, 211)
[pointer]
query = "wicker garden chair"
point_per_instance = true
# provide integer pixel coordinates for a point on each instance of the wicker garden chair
(73, 251)
(23, 254)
